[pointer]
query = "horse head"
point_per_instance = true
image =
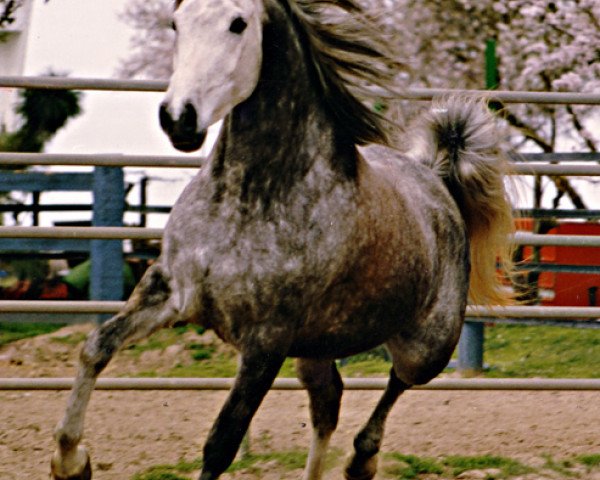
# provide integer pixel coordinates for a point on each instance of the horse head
(217, 64)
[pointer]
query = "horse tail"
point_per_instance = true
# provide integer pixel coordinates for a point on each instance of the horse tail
(458, 138)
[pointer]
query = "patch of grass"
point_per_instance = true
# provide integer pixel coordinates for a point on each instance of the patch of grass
(159, 475)
(540, 351)
(158, 341)
(563, 467)
(162, 339)
(287, 460)
(73, 339)
(372, 367)
(590, 461)
(397, 466)
(169, 472)
(508, 466)
(200, 352)
(410, 466)
(186, 467)
(288, 369)
(375, 362)
(219, 365)
(11, 332)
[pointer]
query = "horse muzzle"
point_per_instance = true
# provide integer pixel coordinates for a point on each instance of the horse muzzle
(182, 131)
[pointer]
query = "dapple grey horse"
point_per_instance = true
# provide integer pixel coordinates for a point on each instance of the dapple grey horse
(292, 241)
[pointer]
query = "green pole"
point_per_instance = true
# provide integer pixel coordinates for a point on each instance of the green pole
(492, 79)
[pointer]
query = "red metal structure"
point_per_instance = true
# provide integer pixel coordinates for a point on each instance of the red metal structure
(572, 289)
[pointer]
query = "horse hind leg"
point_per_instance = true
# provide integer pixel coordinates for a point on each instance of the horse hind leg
(363, 463)
(145, 312)
(324, 385)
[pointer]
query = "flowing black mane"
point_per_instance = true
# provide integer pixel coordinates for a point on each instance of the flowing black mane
(351, 60)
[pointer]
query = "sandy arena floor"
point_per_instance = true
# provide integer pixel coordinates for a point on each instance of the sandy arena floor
(128, 432)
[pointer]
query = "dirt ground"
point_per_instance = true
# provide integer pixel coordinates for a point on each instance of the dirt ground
(128, 432)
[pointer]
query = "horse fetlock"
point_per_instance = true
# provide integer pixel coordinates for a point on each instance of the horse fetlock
(361, 468)
(67, 442)
(71, 465)
(367, 443)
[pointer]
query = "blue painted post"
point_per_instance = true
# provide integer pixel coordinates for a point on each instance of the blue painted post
(470, 348)
(106, 282)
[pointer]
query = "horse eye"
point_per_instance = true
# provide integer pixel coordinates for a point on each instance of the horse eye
(238, 25)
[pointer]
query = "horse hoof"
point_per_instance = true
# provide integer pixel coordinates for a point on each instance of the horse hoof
(86, 473)
(361, 469)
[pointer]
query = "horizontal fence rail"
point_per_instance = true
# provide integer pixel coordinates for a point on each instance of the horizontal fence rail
(175, 161)
(517, 384)
(55, 306)
(60, 306)
(100, 84)
(538, 240)
(122, 233)
(99, 233)
(556, 157)
(554, 170)
(537, 213)
(100, 160)
(556, 213)
(423, 94)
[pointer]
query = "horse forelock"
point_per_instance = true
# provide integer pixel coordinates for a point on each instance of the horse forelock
(351, 60)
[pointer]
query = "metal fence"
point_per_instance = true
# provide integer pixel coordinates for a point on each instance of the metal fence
(522, 165)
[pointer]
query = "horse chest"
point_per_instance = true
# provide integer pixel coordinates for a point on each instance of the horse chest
(225, 265)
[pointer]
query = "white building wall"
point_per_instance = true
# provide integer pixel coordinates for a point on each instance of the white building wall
(13, 46)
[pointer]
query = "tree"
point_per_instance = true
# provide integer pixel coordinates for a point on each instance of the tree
(153, 41)
(8, 10)
(44, 112)
(542, 46)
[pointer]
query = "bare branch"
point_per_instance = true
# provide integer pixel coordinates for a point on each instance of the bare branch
(581, 130)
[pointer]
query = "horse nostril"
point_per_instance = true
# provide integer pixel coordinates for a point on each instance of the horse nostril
(166, 121)
(189, 118)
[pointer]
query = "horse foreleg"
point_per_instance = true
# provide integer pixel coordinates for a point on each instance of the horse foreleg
(363, 464)
(324, 385)
(144, 313)
(255, 376)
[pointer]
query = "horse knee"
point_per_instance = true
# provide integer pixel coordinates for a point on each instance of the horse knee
(103, 343)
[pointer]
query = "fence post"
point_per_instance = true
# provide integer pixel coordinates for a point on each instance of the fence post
(106, 282)
(470, 348)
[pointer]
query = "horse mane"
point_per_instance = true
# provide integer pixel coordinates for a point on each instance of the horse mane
(352, 62)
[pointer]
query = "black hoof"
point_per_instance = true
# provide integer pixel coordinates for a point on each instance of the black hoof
(361, 469)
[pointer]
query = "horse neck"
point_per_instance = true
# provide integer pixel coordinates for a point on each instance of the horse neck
(272, 140)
